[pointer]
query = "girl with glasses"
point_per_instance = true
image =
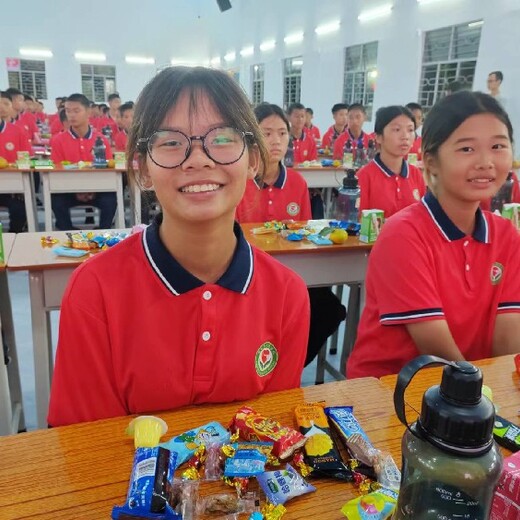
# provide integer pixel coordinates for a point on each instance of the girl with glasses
(185, 312)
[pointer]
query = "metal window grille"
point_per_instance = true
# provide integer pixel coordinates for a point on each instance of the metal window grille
(30, 79)
(360, 75)
(98, 81)
(257, 91)
(449, 54)
(292, 80)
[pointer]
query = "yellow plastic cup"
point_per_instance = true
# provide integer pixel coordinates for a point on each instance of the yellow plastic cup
(147, 430)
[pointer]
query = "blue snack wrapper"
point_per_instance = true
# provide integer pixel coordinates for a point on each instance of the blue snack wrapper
(185, 444)
(69, 251)
(150, 485)
(281, 485)
(319, 241)
(245, 463)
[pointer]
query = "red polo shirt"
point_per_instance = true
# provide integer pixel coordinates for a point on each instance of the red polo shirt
(423, 267)
(107, 121)
(287, 198)
(56, 126)
(139, 334)
(339, 145)
(69, 146)
(500, 197)
(382, 189)
(313, 131)
(12, 140)
(120, 140)
(330, 136)
(416, 147)
(304, 148)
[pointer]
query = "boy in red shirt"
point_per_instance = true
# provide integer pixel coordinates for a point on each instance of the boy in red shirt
(108, 124)
(126, 117)
(340, 115)
(23, 118)
(313, 130)
(303, 144)
(76, 145)
(354, 132)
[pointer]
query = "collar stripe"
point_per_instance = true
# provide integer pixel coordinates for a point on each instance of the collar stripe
(435, 220)
(411, 315)
(251, 269)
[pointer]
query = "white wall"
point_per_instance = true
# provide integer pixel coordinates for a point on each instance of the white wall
(196, 30)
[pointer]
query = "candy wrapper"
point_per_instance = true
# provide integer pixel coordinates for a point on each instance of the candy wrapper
(321, 453)
(351, 433)
(284, 484)
(186, 443)
(220, 504)
(183, 498)
(150, 486)
(245, 463)
(506, 434)
(378, 505)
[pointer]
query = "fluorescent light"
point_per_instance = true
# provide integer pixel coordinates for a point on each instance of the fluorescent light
(373, 74)
(188, 63)
(215, 61)
(476, 24)
(294, 38)
(297, 63)
(35, 53)
(378, 12)
(230, 56)
(90, 56)
(139, 60)
(268, 45)
(327, 28)
(429, 1)
(247, 51)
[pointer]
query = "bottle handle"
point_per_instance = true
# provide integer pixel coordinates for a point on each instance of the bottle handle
(405, 377)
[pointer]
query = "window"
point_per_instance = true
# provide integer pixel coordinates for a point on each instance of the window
(257, 73)
(292, 80)
(27, 76)
(98, 81)
(360, 75)
(449, 54)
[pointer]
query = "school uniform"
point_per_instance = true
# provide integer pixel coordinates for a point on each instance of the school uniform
(105, 121)
(341, 141)
(120, 140)
(27, 124)
(382, 189)
(304, 148)
(140, 334)
(504, 195)
(313, 131)
(416, 147)
(330, 136)
(286, 198)
(69, 146)
(422, 268)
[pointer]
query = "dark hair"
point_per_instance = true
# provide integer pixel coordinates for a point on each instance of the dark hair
(124, 107)
(14, 92)
(385, 115)
(455, 86)
(265, 110)
(357, 106)
(115, 95)
(498, 75)
(105, 109)
(79, 98)
(339, 106)
(162, 93)
(309, 111)
(413, 106)
(450, 112)
(5, 94)
(26, 97)
(294, 106)
(60, 98)
(63, 115)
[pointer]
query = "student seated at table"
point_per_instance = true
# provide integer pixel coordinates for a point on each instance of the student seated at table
(186, 312)
(508, 192)
(301, 141)
(313, 130)
(443, 275)
(388, 182)
(110, 119)
(12, 141)
(76, 145)
(22, 118)
(417, 112)
(354, 131)
(340, 116)
(126, 117)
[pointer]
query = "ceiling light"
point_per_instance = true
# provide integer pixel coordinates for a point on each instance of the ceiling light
(230, 56)
(429, 1)
(476, 24)
(139, 60)
(35, 53)
(294, 38)
(327, 28)
(372, 74)
(247, 51)
(90, 56)
(378, 12)
(268, 45)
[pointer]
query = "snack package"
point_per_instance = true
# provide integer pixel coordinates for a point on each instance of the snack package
(183, 498)
(150, 486)
(506, 434)
(320, 452)
(68, 251)
(219, 504)
(146, 430)
(186, 443)
(255, 427)
(351, 433)
(388, 474)
(511, 211)
(506, 502)
(283, 484)
(245, 463)
(371, 222)
(517, 364)
(378, 505)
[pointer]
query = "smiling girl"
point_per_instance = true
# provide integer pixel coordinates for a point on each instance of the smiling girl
(443, 275)
(186, 312)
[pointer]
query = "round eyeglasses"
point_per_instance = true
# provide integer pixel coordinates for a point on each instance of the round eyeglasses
(170, 148)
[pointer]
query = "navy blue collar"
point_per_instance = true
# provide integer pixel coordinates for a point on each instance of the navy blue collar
(448, 229)
(3, 124)
(176, 279)
(354, 139)
(88, 135)
(387, 171)
(280, 180)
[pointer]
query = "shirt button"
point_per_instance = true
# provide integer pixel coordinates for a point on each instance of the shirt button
(270, 202)
(206, 336)
(466, 243)
(207, 295)
(467, 267)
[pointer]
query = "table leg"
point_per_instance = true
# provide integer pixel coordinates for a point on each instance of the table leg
(30, 203)
(334, 340)
(351, 326)
(47, 205)
(120, 202)
(41, 347)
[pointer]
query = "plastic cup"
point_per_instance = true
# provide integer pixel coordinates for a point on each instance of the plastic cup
(147, 430)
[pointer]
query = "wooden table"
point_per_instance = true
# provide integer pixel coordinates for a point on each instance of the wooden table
(81, 471)
(13, 180)
(11, 411)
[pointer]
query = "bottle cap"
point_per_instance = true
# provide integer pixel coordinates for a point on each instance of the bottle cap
(350, 182)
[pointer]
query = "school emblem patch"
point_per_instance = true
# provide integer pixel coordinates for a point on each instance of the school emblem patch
(416, 194)
(266, 359)
(497, 270)
(9, 146)
(293, 209)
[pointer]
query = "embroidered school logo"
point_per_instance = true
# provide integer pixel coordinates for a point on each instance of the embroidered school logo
(416, 194)
(497, 270)
(266, 359)
(293, 209)
(9, 146)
